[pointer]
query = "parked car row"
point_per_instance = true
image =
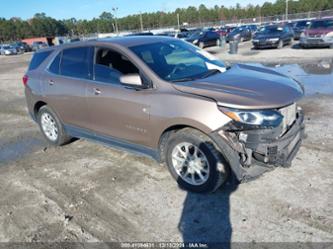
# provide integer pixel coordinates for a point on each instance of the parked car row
(20, 47)
(310, 33)
(14, 48)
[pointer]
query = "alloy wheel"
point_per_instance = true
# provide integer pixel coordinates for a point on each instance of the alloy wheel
(190, 163)
(49, 126)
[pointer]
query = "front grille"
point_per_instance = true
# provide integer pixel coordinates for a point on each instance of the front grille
(289, 116)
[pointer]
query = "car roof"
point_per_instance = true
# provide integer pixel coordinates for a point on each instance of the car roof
(126, 41)
(130, 41)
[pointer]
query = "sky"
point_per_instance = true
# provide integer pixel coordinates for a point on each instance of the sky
(88, 9)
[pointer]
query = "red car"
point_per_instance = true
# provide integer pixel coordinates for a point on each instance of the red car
(319, 34)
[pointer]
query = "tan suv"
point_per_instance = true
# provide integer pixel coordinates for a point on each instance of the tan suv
(170, 100)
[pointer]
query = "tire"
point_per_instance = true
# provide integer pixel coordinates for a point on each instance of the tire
(201, 45)
(280, 44)
(48, 121)
(208, 161)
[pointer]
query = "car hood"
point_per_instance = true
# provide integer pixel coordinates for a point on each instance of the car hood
(246, 87)
(319, 31)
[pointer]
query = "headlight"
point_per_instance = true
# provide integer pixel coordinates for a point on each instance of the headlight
(195, 41)
(274, 39)
(270, 118)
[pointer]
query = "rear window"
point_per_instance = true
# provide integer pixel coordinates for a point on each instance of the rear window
(75, 62)
(38, 59)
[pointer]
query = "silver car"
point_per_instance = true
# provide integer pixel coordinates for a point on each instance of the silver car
(7, 50)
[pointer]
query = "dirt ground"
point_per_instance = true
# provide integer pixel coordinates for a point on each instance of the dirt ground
(88, 192)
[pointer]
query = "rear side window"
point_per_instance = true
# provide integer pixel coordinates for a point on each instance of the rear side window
(55, 65)
(38, 59)
(75, 62)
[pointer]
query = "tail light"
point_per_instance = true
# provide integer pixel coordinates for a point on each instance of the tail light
(25, 80)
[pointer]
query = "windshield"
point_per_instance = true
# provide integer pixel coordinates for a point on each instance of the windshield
(270, 29)
(321, 24)
(301, 24)
(237, 30)
(178, 60)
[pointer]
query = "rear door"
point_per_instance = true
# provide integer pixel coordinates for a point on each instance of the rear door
(65, 85)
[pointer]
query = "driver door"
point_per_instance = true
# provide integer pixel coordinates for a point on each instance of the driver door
(115, 110)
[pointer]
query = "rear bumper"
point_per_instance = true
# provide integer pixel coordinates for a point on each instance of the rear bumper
(254, 152)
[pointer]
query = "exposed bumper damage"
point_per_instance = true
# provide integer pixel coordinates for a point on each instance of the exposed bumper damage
(255, 151)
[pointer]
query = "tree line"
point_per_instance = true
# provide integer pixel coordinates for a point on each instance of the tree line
(41, 25)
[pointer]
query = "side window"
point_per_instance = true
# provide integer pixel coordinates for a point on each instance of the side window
(54, 67)
(38, 59)
(110, 65)
(75, 62)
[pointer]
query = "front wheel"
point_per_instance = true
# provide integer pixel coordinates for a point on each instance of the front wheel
(51, 127)
(194, 161)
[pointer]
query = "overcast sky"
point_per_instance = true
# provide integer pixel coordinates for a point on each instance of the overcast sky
(88, 9)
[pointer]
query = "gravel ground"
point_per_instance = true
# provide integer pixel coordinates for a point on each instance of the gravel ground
(87, 192)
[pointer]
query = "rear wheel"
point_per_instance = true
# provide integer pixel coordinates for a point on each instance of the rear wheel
(194, 161)
(51, 127)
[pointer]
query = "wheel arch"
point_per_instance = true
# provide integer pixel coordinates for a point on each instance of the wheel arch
(163, 139)
(39, 104)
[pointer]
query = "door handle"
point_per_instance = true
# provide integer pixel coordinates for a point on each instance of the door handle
(97, 91)
(51, 82)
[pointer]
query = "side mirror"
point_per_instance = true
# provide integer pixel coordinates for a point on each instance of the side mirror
(131, 79)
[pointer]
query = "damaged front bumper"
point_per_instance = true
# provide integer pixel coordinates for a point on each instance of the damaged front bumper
(254, 151)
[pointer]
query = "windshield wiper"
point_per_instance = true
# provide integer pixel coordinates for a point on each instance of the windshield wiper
(205, 75)
(210, 73)
(183, 79)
